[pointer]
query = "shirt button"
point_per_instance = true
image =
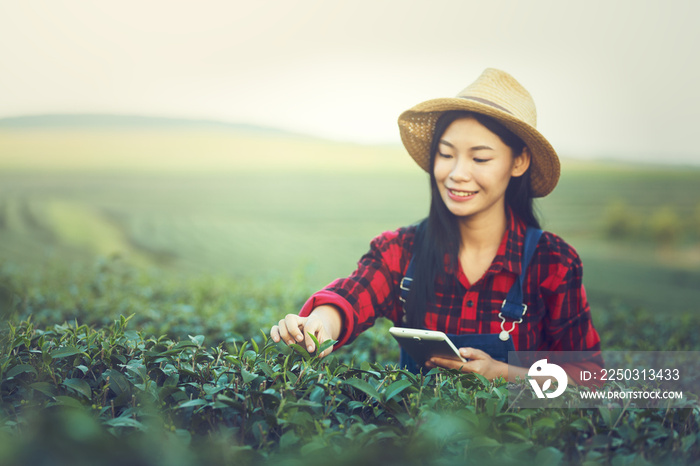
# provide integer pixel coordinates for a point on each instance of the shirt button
(470, 303)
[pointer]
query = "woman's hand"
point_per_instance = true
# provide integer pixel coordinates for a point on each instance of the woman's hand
(323, 323)
(477, 361)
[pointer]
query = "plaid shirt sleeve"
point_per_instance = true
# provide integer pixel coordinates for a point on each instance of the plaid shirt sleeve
(567, 325)
(372, 289)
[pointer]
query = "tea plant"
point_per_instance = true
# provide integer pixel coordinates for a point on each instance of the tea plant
(88, 390)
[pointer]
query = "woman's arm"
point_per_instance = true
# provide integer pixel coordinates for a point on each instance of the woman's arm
(568, 323)
(348, 306)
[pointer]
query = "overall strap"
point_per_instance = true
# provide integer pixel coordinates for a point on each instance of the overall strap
(407, 281)
(513, 306)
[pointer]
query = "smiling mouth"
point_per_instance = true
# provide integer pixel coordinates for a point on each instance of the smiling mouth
(463, 193)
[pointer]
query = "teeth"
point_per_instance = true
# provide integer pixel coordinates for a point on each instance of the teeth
(462, 193)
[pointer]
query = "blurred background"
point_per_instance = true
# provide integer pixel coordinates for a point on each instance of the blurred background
(259, 139)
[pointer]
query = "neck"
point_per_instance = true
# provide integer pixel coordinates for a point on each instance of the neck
(482, 233)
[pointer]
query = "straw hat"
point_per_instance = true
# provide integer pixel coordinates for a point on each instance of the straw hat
(498, 95)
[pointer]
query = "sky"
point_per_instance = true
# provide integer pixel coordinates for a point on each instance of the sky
(610, 78)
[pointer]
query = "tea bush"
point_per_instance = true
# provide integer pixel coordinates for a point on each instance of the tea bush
(663, 225)
(188, 378)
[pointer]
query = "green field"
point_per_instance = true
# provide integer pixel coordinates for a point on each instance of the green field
(238, 204)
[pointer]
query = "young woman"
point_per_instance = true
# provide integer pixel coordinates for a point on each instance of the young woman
(465, 270)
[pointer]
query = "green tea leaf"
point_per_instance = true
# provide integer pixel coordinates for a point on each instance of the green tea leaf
(311, 448)
(317, 345)
(172, 380)
(484, 381)
(68, 401)
(132, 335)
(549, 456)
(65, 351)
(302, 419)
(124, 421)
(517, 431)
(192, 403)
(288, 439)
(229, 401)
(43, 387)
(363, 386)
(305, 403)
(267, 370)
(20, 369)
(544, 423)
(688, 441)
(484, 442)
(197, 340)
(79, 386)
(606, 415)
(248, 376)
(241, 352)
(581, 424)
(326, 344)
(178, 348)
(301, 350)
(117, 382)
(396, 388)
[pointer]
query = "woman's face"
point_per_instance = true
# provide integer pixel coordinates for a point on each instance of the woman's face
(472, 169)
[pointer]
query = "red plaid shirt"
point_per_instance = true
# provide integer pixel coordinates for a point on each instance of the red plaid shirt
(558, 317)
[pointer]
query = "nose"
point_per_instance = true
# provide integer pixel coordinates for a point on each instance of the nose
(461, 170)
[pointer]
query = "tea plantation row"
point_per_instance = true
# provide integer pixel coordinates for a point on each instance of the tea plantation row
(188, 378)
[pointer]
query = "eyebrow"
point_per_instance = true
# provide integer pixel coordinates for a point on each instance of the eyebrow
(482, 147)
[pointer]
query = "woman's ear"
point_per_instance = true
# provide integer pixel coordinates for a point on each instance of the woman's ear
(521, 163)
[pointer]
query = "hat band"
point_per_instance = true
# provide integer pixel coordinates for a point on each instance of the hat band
(487, 102)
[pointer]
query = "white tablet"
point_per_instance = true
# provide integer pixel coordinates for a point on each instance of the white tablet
(422, 345)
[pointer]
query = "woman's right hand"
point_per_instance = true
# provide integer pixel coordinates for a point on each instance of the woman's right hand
(295, 329)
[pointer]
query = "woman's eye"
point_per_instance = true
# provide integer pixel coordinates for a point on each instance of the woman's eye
(447, 156)
(481, 160)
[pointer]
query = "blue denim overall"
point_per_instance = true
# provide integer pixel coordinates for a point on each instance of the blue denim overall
(497, 345)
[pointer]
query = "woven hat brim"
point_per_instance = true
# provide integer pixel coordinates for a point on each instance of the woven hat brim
(417, 125)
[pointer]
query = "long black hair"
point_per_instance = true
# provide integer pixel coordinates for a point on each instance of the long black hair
(436, 245)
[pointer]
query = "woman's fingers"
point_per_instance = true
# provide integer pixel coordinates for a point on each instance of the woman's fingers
(294, 324)
(315, 327)
(472, 353)
(295, 329)
(288, 329)
(447, 364)
(275, 333)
